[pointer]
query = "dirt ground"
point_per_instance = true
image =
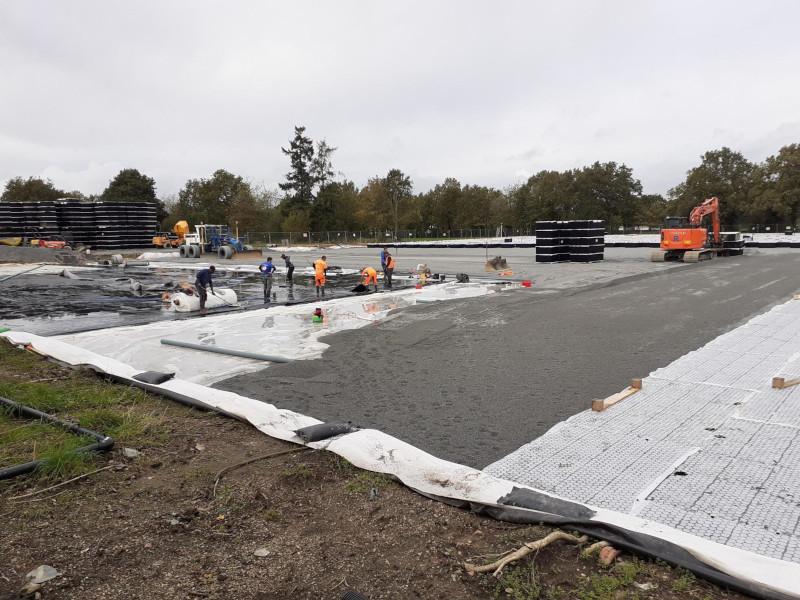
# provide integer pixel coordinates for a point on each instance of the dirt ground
(304, 524)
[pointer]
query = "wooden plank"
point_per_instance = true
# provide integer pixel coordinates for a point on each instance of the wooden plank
(780, 383)
(601, 405)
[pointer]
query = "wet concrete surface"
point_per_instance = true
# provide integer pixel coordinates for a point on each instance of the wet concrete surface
(473, 380)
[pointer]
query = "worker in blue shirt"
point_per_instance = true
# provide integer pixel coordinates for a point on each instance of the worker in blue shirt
(267, 269)
(204, 278)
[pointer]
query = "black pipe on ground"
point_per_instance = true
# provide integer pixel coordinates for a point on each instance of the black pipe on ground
(103, 443)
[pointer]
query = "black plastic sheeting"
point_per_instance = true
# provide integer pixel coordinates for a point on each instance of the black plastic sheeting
(103, 443)
(523, 509)
(323, 431)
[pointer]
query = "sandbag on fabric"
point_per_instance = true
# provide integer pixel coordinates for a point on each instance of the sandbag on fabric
(323, 431)
(153, 377)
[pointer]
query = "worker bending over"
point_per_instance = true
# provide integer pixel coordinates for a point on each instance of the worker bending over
(387, 271)
(320, 266)
(369, 275)
(289, 268)
(267, 269)
(204, 278)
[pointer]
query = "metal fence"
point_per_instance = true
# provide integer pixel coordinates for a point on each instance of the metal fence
(295, 238)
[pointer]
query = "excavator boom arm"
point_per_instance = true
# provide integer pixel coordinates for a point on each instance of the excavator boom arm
(708, 207)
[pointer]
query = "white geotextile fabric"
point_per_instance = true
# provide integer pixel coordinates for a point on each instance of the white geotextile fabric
(8, 269)
(376, 451)
(281, 330)
(180, 302)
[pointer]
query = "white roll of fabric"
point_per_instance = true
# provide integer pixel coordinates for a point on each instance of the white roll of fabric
(181, 302)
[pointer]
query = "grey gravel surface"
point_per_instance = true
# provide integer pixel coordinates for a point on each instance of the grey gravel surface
(473, 380)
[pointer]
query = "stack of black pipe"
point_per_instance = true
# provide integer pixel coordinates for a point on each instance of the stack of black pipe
(551, 245)
(94, 224)
(28, 219)
(570, 241)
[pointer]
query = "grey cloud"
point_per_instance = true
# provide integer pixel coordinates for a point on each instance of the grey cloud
(484, 92)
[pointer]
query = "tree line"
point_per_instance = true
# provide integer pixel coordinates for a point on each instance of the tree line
(313, 197)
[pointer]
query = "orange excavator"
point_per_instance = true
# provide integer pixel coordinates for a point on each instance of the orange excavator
(688, 240)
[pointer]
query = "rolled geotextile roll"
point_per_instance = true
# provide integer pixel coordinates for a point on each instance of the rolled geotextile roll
(116, 259)
(228, 351)
(137, 263)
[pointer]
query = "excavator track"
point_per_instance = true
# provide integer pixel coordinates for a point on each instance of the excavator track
(658, 256)
(693, 256)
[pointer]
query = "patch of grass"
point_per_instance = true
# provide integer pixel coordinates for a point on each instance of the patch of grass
(127, 414)
(298, 471)
(344, 466)
(364, 481)
(63, 460)
(271, 515)
(608, 587)
(517, 583)
(684, 582)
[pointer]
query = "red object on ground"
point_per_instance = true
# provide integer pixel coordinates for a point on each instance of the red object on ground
(419, 286)
(527, 283)
(608, 555)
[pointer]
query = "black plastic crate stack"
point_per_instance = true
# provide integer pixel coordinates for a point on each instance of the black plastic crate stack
(28, 219)
(732, 241)
(102, 225)
(587, 241)
(551, 245)
(570, 241)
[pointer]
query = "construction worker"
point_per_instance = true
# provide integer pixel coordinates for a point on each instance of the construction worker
(368, 275)
(387, 271)
(319, 275)
(384, 252)
(289, 268)
(204, 278)
(267, 269)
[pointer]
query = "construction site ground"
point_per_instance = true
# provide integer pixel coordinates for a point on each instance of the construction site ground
(300, 525)
(473, 380)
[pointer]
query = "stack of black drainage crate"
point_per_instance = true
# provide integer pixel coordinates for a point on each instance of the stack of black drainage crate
(102, 225)
(570, 241)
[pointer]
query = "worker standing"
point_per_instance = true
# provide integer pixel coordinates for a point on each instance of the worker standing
(267, 269)
(369, 275)
(204, 278)
(387, 271)
(320, 266)
(289, 268)
(384, 252)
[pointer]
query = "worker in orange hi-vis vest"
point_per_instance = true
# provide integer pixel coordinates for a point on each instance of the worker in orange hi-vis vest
(387, 272)
(319, 275)
(369, 275)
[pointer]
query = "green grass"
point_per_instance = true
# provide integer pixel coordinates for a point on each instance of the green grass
(608, 587)
(517, 583)
(684, 582)
(364, 481)
(127, 414)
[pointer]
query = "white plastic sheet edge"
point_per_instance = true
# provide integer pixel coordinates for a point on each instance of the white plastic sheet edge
(376, 451)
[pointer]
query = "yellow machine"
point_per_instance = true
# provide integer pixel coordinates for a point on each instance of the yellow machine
(173, 239)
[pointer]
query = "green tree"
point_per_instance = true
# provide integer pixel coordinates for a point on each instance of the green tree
(547, 195)
(32, 189)
(722, 173)
(776, 187)
(129, 185)
(213, 200)
(398, 188)
(607, 191)
(299, 184)
(445, 201)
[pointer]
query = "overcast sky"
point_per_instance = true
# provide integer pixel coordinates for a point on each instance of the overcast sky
(487, 92)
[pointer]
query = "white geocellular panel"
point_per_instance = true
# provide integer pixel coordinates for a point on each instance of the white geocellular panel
(707, 446)
(286, 331)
